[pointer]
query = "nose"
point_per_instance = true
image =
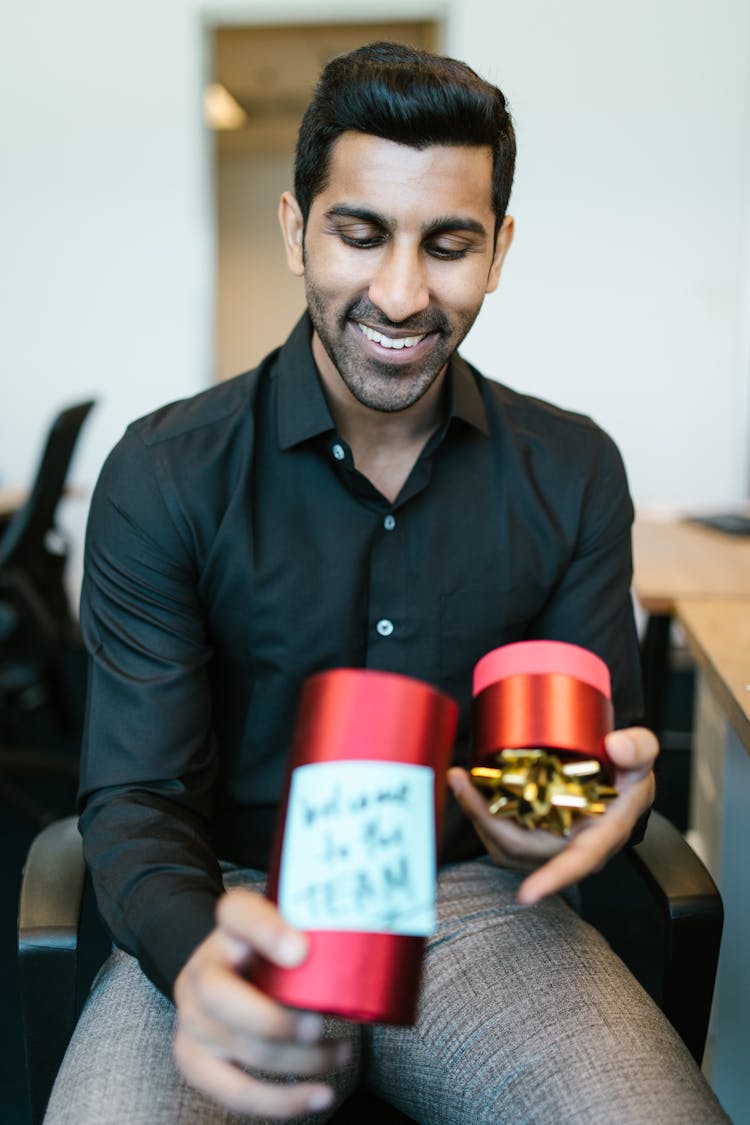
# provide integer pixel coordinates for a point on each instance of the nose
(399, 286)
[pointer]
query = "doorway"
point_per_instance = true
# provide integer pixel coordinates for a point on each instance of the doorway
(262, 78)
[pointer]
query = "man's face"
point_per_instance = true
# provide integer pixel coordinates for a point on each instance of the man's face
(398, 254)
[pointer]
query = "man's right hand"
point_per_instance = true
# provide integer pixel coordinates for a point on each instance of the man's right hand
(225, 1024)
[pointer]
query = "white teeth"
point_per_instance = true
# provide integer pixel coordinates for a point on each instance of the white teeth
(386, 341)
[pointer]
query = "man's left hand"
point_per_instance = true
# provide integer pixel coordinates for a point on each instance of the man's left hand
(556, 862)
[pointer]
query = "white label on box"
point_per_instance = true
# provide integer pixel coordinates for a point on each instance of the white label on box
(359, 848)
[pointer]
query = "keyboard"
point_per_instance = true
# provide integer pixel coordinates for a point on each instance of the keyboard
(731, 523)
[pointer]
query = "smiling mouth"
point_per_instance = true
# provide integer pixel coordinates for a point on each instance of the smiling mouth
(396, 343)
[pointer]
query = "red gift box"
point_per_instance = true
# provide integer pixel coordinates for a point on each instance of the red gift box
(354, 862)
(542, 694)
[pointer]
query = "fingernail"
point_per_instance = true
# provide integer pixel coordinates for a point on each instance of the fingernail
(309, 1028)
(456, 782)
(320, 1099)
(291, 949)
(236, 949)
(621, 743)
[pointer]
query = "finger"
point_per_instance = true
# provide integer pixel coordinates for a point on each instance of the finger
(632, 749)
(465, 792)
(212, 994)
(506, 842)
(233, 1088)
(589, 848)
(268, 1055)
(580, 858)
(512, 845)
(251, 923)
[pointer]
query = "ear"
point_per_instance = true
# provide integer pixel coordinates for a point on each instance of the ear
(502, 246)
(293, 230)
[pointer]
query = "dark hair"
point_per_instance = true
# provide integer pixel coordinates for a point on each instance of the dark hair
(409, 96)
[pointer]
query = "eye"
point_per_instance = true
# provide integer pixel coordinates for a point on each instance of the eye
(450, 245)
(363, 242)
(447, 253)
(360, 235)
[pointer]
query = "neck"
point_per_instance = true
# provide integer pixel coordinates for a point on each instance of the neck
(385, 445)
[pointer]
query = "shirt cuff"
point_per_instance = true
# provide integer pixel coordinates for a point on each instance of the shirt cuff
(172, 933)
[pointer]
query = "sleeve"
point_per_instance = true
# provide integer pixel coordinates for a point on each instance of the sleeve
(149, 758)
(592, 603)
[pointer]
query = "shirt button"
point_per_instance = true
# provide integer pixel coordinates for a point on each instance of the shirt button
(384, 627)
(338, 452)
(389, 523)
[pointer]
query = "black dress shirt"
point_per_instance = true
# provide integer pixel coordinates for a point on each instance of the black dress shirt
(233, 548)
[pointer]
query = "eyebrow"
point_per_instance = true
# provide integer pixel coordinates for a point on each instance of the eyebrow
(442, 225)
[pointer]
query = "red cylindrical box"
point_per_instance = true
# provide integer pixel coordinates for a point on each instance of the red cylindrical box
(354, 861)
(546, 694)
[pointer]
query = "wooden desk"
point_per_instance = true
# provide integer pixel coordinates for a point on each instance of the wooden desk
(718, 635)
(674, 559)
(11, 499)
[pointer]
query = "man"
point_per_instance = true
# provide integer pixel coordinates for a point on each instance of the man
(364, 498)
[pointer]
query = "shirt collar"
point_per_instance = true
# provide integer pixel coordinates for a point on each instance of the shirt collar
(465, 397)
(303, 410)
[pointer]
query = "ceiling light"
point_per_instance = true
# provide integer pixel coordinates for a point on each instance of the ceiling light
(220, 109)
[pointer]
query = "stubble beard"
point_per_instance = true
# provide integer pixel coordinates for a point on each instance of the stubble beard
(382, 386)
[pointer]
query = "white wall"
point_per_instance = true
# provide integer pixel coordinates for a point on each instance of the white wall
(626, 293)
(256, 307)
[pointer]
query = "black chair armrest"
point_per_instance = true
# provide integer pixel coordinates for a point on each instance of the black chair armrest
(661, 912)
(695, 917)
(48, 935)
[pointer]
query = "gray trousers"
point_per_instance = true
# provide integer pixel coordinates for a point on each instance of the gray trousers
(525, 1015)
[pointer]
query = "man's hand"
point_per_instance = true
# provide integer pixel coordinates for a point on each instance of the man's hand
(554, 861)
(225, 1024)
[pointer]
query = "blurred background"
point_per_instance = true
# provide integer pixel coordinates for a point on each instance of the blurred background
(141, 258)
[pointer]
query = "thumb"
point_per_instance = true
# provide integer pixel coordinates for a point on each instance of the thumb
(250, 923)
(635, 748)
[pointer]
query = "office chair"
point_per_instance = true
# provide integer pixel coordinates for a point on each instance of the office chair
(28, 542)
(655, 903)
(37, 630)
